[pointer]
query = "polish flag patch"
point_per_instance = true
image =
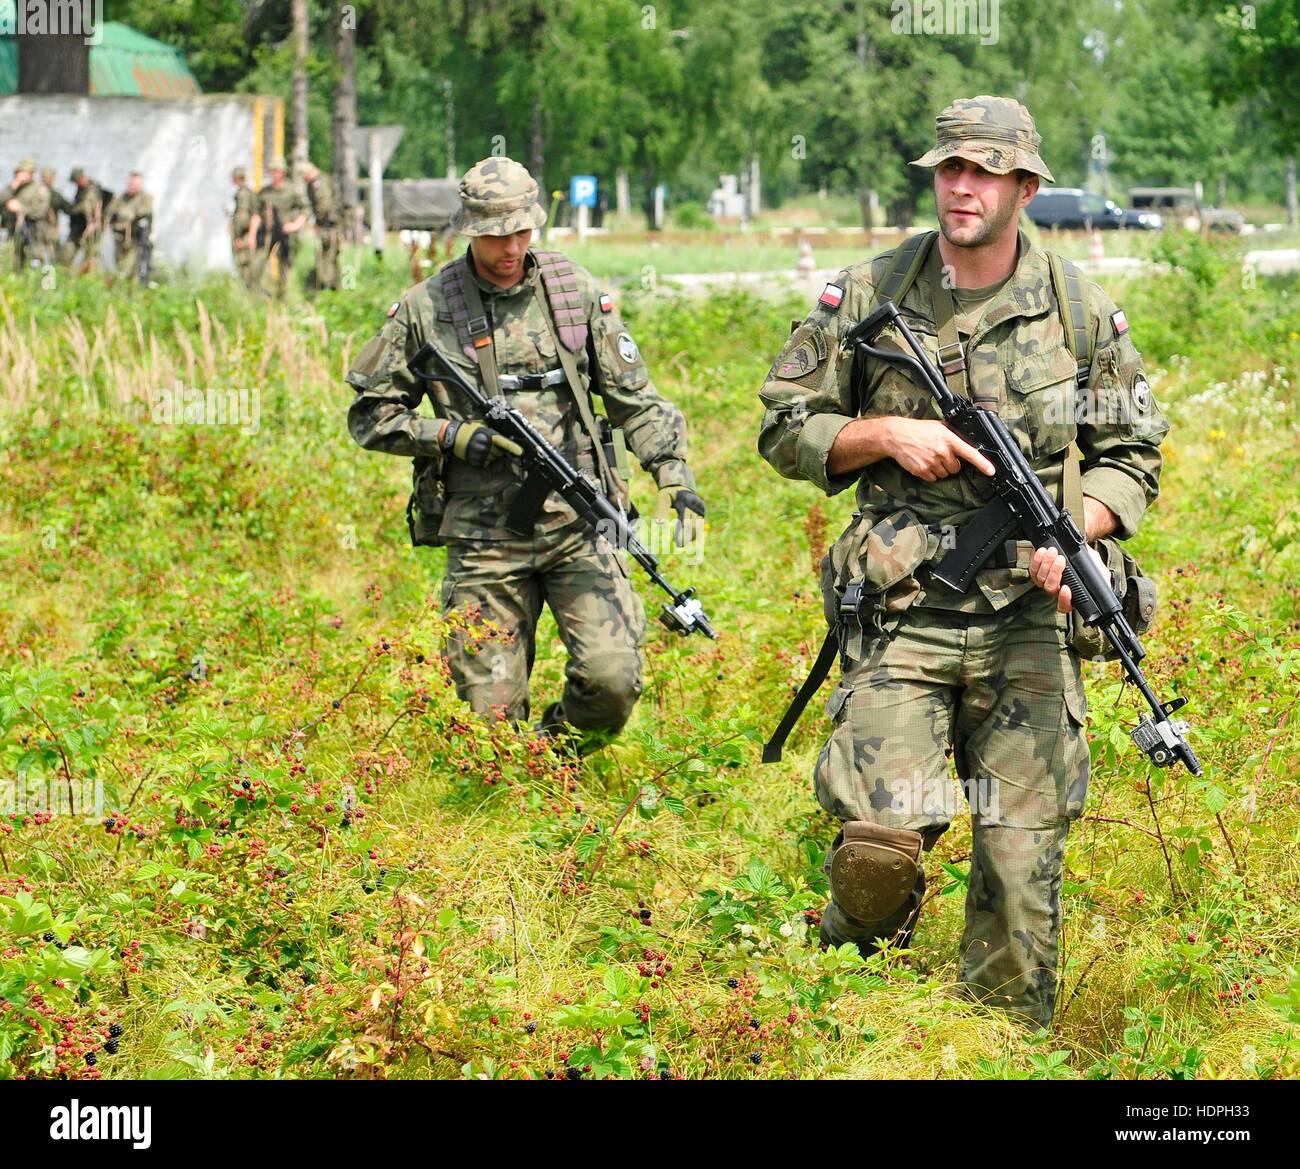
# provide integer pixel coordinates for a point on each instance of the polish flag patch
(606, 303)
(1119, 322)
(831, 298)
(392, 312)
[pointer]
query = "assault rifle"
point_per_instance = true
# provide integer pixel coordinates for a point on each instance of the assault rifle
(1020, 504)
(142, 237)
(684, 614)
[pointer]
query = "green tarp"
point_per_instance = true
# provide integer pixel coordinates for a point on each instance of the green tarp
(125, 63)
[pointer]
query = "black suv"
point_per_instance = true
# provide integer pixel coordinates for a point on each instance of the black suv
(1070, 207)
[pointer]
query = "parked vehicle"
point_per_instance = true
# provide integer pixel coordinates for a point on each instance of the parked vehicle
(1074, 209)
(1180, 205)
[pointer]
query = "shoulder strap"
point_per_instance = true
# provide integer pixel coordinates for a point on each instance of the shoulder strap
(470, 320)
(1072, 304)
(904, 268)
(565, 299)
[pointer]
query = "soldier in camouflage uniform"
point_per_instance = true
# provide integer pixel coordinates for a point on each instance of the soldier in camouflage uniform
(527, 325)
(324, 209)
(243, 240)
(85, 221)
(987, 676)
(280, 215)
(130, 216)
(59, 205)
(26, 205)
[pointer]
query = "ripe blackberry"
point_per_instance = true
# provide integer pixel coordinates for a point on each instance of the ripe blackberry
(91, 1059)
(115, 1030)
(48, 936)
(111, 1047)
(574, 1073)
(756, 1057)
(733, 983)
(530, 1026)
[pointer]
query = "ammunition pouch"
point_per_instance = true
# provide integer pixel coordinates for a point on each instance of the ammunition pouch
(427, 504)
(1136, 592)
(869, 576)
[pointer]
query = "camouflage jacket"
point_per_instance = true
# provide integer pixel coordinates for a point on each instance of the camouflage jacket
(59, 203)
(1018, 364)
(33, 197)
(87, 201)
(278, 206)
(323, 207)
(126, 210)
(244, 210)
(384, 415)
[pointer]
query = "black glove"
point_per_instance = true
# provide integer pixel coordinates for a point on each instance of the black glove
(682, 500)
(477, 443)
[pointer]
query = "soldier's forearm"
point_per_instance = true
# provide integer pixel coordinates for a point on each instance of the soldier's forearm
(862, 442)
(1098, 520)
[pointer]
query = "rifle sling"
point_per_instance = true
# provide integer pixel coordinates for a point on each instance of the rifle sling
(816, 676)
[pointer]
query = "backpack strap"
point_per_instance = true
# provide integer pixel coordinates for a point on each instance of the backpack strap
(471, 322)
(1072, 304)
(565, 299)
(904, 267)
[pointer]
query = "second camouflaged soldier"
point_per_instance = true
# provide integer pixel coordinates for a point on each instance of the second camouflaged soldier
(130, 216)
(534, 328)
(26, 205)
(280, 215)
(987, 675)
(325, 211)
(85, 221)
(243, 241)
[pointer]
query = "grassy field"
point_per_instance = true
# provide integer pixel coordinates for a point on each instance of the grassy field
(308, 861)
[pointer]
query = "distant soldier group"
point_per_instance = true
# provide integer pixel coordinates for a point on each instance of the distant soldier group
(268, 224)
(31, 205)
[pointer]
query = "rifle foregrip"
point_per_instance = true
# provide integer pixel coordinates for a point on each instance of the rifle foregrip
(1080, 597)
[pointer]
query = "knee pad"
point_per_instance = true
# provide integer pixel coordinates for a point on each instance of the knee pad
(875, 870)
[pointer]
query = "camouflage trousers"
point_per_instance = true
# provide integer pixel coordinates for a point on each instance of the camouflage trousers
(327, 257)
(600, 618)
(246, 264)
(1001, 693)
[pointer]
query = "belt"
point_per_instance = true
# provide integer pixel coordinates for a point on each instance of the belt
(532, 381)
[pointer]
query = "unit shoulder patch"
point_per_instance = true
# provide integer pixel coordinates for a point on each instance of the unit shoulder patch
(627, 349)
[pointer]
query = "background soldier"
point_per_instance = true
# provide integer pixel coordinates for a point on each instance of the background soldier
(324, 209)
(985, 674)
(130, 216)
(534, 328)
(85, 221)
(281, 214)
(243, 240)
(26, 204)
(59, 205)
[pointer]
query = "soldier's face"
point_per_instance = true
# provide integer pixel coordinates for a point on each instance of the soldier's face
(277, 178)
(500, 258)
(976, 206)
(133, 185)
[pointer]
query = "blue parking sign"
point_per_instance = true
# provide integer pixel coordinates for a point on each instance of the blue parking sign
(582, 190)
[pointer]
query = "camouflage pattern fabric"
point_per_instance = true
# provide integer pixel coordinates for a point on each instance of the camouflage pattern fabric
(245, 257)
(498, 197)
(85, 224)
(601, 620)
(384, 417)
(324, 210)
(988, 672)
(33, 199)
(599, 615)
(1000, 691)
(998, 133)
(122, 215)
(1019, 365)
(278, 206)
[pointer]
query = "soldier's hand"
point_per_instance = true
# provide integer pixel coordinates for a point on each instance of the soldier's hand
(477, 443)
(929, 449)
(1048, 566)
(690, 513)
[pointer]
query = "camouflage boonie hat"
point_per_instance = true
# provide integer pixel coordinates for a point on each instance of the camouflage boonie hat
(277, 163)
(28, 163)
(239, 173)
(498, 197)
(997, 133)
(78, 173)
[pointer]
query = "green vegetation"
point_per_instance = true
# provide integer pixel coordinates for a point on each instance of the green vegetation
(310, 862)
